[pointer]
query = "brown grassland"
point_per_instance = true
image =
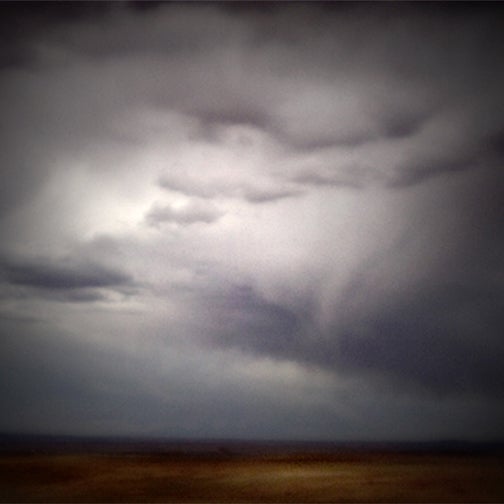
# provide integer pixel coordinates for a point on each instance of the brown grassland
(351, 477)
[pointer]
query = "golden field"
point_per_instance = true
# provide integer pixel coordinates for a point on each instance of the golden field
(353, 477)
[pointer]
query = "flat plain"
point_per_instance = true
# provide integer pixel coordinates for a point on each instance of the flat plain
(251, 477)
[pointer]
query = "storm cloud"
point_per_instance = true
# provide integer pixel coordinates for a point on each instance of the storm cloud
(51, 276)
(252, 219)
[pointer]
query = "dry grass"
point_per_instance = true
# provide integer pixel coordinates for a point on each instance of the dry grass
(290, 478)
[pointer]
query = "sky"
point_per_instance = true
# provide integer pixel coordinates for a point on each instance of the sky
(252, 220)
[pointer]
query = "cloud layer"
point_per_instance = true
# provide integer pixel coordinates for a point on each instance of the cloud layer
(252, 220)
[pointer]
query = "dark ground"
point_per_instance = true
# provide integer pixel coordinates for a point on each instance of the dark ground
(74, 470)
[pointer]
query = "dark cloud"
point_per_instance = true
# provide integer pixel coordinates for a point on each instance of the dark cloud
(24, 23)
(419, 171)
(239, 317)
(324, 140)
(354, 176)
(64, 280)
(236, 115)
(398, 126)
(496, 144)
(351, 126)
(257, 195)
(423, 315)
(445, 340)
(242, 316)
(442, 332)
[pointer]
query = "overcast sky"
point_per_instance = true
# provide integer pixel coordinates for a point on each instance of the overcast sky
(252, 221)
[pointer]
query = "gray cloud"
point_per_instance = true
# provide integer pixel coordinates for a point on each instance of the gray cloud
(392, 98)
(424, 342)
(188, 186)
(18, 51)
(260, 195)
(423, 315)
(352, 176)
(50, 276)
(220, 188)
(336, 171)
(427, 341)
(419, 172)
(67, 280)
(242, 316)
(348, 92)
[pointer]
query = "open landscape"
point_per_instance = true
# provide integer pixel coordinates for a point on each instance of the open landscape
(250, 472)
(251, 251)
